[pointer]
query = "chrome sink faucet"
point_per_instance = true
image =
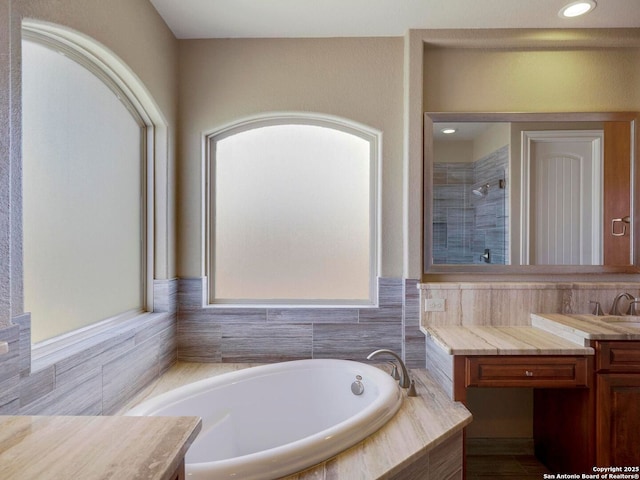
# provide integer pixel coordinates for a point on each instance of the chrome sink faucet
(404, 378)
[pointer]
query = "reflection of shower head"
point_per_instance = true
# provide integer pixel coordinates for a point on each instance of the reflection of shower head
(481, 191)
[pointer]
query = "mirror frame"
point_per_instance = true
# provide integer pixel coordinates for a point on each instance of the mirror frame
(427, 244)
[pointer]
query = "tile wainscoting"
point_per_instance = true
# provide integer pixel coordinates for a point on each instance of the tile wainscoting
(93, 376)
(99, 374)
(265, 335)
(501, 304)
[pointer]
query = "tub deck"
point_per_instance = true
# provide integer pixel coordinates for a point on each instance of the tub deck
(423, 440)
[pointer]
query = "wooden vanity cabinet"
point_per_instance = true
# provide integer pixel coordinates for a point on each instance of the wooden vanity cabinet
(577, 429)
(563, 400)
(618, 403)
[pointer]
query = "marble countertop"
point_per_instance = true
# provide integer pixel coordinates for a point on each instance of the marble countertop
(421, 424)
(583, 328)
(494, 340)
(94, 448)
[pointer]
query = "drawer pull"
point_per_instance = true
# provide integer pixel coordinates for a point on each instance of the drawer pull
(528, 373)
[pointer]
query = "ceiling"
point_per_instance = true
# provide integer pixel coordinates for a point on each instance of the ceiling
(378, 18)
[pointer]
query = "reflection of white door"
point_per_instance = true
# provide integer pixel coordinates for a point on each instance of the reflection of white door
(562, 185)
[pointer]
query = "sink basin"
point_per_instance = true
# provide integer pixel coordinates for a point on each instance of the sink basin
(625, 320)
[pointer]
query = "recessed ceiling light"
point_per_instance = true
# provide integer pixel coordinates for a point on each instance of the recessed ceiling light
(448, 131)
(575, 9)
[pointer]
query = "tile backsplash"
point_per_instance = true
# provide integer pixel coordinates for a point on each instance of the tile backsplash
(264, 335)
(512, 303)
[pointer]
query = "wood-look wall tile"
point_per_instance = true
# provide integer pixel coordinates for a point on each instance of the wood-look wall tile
(24, 323)
(167, 346)
(190, 293)
(548, 300)
(507, 307)
(10, 361)
(605, 293)
(153, 324)
(236, 315)
(312, 315)
(382, 314)
(411, 310)
(69, 381)
(5, 31)
(83, 396)
(256, 343)
(440, 366)
(207, 334)
(165, 295)
(128, 374)
(390, 302)
(475, 306)
(10, 396)
(37, 384)
(390, 291)
(355, 342)
(94, 356)
(414, 340)
(414, 348)
(199, 340)
(497, 304)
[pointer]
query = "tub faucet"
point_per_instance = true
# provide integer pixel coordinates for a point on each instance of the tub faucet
(404, 378)
(615, 308)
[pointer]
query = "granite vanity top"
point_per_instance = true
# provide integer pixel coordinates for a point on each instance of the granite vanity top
(494, 340)
(91, 448)
(583, 328)
(421, 424)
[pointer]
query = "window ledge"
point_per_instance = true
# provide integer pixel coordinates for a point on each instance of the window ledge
(51, 351)
(280, 306)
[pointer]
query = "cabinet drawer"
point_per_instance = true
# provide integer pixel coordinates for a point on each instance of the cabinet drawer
(530, 371)
(618, 356)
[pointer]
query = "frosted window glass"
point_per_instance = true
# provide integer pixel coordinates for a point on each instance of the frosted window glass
(82, 186)
(292, 212)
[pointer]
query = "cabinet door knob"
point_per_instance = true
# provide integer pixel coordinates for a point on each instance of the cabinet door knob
(528, 373)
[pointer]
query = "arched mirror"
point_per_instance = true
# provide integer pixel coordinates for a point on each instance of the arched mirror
(530, 193)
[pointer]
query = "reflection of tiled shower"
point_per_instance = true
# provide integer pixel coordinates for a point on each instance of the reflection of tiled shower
(466, 225)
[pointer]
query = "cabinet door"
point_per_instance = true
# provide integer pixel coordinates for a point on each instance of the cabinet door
(618, 419)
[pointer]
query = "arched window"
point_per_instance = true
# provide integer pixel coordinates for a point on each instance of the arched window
(85, 189)
(292, 212)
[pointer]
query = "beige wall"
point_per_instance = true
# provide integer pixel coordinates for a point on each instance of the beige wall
(222, 81)
(584, 80)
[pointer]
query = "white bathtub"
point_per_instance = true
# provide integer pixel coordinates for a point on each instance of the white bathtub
(266, 422)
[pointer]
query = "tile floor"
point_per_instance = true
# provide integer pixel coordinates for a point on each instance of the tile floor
(505, 467)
